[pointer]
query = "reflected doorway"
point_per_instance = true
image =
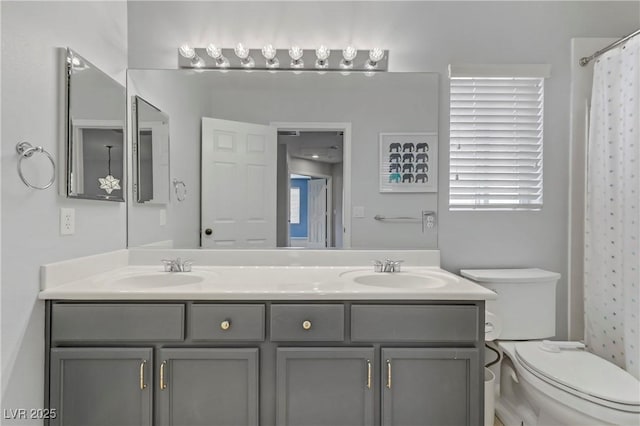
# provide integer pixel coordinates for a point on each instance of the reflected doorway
(311, 189)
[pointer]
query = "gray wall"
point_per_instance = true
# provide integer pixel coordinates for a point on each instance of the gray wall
(31, 34)
(425, 36)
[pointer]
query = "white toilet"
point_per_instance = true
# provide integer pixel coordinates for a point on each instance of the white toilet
(548, 383)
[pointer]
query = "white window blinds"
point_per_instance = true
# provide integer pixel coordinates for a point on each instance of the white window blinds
(496, 142)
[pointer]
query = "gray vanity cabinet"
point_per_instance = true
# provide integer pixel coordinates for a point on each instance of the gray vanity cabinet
(325, 386)
(101, 386)
(208, 386)
(430, 386)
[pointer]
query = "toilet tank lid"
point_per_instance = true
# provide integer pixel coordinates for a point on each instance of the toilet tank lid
(526, 275)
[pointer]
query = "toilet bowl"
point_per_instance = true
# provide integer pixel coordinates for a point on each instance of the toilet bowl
(571, 387)
(546, 383)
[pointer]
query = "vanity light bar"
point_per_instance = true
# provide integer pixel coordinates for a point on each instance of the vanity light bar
(294, 58)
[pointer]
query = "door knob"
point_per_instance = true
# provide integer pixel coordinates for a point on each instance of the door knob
(225, 325)
(306, 325)
(208, 231)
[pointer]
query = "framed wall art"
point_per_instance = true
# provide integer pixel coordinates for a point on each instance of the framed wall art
(409, 162)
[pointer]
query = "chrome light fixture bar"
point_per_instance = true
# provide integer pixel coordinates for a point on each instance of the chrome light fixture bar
(293, 58)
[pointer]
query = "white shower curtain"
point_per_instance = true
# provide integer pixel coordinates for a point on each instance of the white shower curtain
(612, 255)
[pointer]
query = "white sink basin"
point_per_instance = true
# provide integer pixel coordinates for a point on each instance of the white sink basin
(395, 279)
(155, 280)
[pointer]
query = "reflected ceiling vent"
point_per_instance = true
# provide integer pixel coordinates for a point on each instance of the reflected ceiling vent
(288, 132)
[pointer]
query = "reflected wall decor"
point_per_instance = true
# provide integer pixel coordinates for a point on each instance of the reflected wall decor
(408, 162)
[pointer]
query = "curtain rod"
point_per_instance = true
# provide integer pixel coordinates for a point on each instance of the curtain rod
(584, 61)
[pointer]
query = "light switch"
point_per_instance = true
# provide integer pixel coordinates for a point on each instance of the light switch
(358, 211)
(163, 217)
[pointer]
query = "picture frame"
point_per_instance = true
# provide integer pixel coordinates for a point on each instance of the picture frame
(408, 162)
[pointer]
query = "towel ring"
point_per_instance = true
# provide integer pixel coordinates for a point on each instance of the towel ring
(26, 150)
(180, 194)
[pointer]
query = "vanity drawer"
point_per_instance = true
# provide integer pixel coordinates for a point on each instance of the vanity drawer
(307, 322)
(414, 323)
(117, 322)
(227, 322)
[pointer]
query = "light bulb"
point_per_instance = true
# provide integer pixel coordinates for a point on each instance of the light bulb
(187, 51)
(322, 53)
(242, 52)
(197, 62)
(269, 52)
(216, 53)
(375, 56)
(349, 53)
(296, 52)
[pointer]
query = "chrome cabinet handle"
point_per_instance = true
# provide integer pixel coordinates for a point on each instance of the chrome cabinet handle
(163, 385)
(368, 374)
(306, 325)
(225, 325)
(143, 385)
(388, 374)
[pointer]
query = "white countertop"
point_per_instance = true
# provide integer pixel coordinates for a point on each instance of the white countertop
(265, 283)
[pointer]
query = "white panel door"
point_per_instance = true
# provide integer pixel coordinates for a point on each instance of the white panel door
(238, 184)
(317, 211)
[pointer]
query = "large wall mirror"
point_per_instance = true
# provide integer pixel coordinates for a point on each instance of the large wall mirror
(284, 159)
(150, 152)
(94, 131)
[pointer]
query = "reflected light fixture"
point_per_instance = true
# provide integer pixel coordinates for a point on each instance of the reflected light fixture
(242, 52)
(216, 53)
(375, 55)
(322, 53)
(109, 183)
(295, 53)
(348, 55)
(189, 52)
(269, 52)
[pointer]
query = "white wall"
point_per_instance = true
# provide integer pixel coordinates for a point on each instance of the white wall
(425, 36)
(31, 34)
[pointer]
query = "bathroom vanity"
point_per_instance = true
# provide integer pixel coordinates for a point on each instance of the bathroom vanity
(328, 350)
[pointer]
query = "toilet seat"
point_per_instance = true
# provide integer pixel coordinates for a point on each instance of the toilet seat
(583, 375)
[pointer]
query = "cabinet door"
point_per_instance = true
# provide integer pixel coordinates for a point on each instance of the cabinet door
(325, 386)
(101, 386)
(208, 387)
(424, 386)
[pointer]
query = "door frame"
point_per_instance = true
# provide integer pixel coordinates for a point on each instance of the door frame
(345, 127)
(329, 234)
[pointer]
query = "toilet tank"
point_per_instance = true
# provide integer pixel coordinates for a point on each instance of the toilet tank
(526, 303)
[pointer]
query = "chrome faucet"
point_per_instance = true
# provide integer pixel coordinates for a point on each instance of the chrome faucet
(177, 265)
(387, 266)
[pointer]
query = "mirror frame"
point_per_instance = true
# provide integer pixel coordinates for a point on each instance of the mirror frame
(135, 163)
(70, 132)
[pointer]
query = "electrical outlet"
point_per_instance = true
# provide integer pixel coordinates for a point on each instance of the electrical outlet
(67, 221)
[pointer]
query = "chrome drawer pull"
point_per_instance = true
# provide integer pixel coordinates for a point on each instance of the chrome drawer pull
(163, 385)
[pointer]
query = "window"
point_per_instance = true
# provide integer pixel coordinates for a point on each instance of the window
(496, 129)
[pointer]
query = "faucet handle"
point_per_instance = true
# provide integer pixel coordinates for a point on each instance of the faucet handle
(186, 265)
(168, 264)
(396, 265)
(378, 266)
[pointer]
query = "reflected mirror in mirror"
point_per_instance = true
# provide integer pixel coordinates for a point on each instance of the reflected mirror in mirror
(285, 159)
(94, 123)
(151, 153)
